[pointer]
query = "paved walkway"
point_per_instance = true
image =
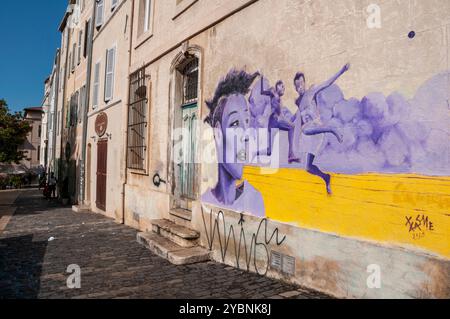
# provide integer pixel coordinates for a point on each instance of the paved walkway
(112, 264)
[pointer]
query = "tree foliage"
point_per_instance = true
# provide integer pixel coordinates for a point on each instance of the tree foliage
(13, 133)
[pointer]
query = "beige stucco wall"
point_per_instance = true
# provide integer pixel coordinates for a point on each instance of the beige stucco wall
(114, 32)
(279, 38)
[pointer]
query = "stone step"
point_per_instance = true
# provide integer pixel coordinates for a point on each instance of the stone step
(181, 217)
(180, 235)
(182, 213)
(172, 252)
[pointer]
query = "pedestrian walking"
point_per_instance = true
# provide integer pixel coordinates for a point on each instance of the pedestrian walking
(52, 185)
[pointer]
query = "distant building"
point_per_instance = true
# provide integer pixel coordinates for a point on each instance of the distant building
(45, 122)
(32, 146)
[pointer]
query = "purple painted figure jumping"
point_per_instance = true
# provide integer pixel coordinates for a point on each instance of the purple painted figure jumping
(312, 128)
(278, 120)
(229, 112)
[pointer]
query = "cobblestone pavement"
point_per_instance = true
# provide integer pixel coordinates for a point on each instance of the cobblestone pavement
(112, 264)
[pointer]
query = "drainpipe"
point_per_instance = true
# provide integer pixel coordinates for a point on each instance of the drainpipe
(82, 192)
(125, 149)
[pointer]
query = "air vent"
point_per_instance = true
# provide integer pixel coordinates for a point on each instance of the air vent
(282, 263)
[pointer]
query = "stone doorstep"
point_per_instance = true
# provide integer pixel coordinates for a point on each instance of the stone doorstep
(172, 252)
(182, 214)
(171, 227)
(80, 209)
(185, 243)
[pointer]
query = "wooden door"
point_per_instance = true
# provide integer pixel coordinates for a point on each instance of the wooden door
(102, 165)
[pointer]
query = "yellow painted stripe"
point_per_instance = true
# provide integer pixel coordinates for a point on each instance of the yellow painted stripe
(368, 206)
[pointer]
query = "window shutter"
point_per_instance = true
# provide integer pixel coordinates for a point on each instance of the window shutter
(87, 35)
(80, 39)
(74, 52)
(100, 13)
(61, 78)
(109, 77)
(75, 109)
(69, 65)
(81, 103)
(68, 113)
(148, 4)
(114, 4)
(96, 85)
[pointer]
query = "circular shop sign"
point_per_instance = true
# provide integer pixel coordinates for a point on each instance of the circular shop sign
(101, 124)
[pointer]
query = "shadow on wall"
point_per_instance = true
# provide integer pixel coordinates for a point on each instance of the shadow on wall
(20, 267)
(67, 175)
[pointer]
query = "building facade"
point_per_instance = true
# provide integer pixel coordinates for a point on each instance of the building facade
(71, 98)
(49, 118)
(45, 121)
(32, 146)
(302, 140)
(105, 157)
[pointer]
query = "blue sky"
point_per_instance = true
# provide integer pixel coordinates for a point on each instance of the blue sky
(29, 38)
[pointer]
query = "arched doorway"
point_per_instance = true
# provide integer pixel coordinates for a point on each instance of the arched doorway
(185, 90)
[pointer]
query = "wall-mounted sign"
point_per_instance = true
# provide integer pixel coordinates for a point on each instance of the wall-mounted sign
(101, 124)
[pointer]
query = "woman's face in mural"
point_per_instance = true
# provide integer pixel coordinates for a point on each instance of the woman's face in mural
(233, 142)
(300, 86)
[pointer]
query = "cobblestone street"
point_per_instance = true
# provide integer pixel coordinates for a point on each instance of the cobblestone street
(112, 264)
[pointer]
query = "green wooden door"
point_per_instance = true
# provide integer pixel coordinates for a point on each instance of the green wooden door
(189, 149)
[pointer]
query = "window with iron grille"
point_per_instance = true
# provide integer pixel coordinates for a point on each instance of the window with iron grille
(190, 82)
(137, 121)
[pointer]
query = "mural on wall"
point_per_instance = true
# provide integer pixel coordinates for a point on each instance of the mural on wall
(229, 110)
(381, 155)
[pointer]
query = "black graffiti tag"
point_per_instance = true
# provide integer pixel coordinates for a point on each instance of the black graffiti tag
(250, 252)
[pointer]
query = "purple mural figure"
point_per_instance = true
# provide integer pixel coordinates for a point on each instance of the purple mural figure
(312, 128)
(229, 112)
(279, 119)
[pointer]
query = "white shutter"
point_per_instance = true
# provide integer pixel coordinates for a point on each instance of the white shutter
(96, 85)
(81, 103)
(74, 53)
(109, 76)
(76, 106)
(148, 4)
(69, 65)
(114, 4)
(100, 13)
(80, 39)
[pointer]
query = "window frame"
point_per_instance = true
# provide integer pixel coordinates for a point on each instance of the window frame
(100, 4)
(96, 85)
(80, 44)
(114, 4)
(81, 103)
(143, 167)
(87, 35)
(112, 73)
(145, 20)
(147, 15)
(74, 52)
